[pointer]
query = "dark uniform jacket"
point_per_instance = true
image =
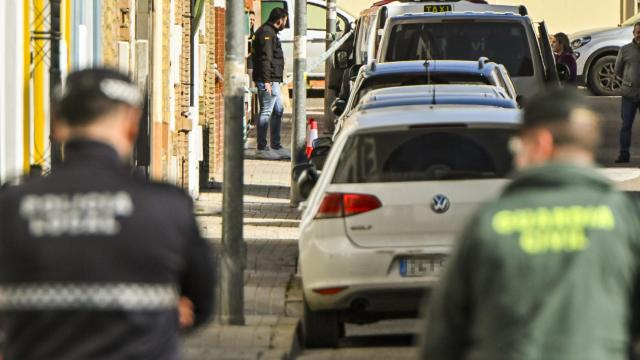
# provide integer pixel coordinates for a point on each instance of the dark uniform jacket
(628, 68)
(93, 262)
(268, 58)
(547, 271)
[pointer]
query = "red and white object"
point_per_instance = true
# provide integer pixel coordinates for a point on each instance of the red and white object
(312, 134)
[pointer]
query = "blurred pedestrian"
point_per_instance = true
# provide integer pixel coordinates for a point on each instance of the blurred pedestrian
(268, 73)
(546, 271)
(252, 23)
(564, 55)
(94, 262)
(552, 41)
(628, 69)
(252, 34)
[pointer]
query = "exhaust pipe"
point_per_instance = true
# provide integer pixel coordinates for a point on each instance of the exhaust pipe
(359, 305)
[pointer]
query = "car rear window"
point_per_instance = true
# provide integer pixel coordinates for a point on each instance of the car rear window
(393, 80)
(447, 153)
(504, 43)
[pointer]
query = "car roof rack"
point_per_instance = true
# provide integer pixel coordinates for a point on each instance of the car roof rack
(482, 61)
(523, 10)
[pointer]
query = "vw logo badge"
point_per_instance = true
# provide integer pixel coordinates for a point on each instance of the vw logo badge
(440, 204)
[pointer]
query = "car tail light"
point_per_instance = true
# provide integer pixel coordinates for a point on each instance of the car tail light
(330, 291)
(331, 207)
(359, 203)
(337, 205)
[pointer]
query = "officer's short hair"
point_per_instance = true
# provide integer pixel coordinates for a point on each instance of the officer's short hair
(91, 93)
(277, 14)
(558, 110)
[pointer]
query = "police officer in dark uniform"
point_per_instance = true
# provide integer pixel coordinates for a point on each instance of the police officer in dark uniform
(95, 263)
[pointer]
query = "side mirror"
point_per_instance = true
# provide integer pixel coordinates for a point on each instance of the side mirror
(341, 59)
(319, 156)
(323, 141)
(563, 72)
(338, 107)
(307, 180)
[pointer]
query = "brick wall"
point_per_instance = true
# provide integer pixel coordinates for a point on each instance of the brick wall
(208, 101)
(182, 93)
(116, 15)
(218, 128)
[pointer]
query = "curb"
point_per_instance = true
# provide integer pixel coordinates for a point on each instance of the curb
(296, 343)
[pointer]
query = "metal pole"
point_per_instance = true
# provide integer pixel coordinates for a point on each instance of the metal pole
(329, 95)
(299, 92)
(233, 257)
(55, 74)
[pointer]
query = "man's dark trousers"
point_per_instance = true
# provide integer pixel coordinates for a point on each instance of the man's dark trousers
(629, 109)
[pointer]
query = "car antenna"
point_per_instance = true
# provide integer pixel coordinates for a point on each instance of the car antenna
(427, 65)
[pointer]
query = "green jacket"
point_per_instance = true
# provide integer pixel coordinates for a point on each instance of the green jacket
(546, 271)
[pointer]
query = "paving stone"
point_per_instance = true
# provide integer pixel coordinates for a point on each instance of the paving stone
(271, 235)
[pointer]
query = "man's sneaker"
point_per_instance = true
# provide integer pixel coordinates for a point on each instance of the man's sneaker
(283, 153)
(623, 158)
(267, 155)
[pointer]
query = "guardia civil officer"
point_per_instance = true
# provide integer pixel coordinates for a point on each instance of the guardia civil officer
(95, 263)
(546, 271)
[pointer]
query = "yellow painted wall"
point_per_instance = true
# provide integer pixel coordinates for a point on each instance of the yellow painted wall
(572, 15)
(354, 6)
(560, 15)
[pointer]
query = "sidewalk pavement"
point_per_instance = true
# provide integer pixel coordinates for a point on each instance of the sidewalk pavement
(271, 235)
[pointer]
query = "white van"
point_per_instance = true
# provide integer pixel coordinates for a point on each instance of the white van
(509, 39)
(316, 31)
(372, 21)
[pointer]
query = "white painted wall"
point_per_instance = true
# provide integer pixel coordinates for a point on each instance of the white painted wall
(174, 58)
(195, 135)
(11, 88)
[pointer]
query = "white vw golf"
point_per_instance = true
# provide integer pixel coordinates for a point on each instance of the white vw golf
(396, 188)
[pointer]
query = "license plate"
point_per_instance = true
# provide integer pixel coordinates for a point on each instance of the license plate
(437, 8)
(421, 266)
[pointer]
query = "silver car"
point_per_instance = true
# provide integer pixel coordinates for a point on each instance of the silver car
(596, 51)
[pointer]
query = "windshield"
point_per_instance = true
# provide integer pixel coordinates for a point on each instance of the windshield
(448, 153)
(632, 21)
(504, 43)
(393, 80)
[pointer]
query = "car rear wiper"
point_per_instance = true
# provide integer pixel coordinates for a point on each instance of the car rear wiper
(461, 175)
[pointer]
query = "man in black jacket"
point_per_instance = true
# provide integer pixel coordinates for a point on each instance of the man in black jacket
(268, 73)
(95, 263)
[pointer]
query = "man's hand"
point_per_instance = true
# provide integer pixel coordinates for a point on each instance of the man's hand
(267, 86)
(185, 312)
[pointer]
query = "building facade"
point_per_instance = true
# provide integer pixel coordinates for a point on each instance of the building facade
(173, 49)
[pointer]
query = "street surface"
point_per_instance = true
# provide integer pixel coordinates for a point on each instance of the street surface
(385, 340)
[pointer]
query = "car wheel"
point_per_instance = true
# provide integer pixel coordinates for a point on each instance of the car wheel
(602, 78)
(321, 328)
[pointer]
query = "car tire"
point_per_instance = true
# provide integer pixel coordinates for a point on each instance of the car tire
(321, 328)
(602, 79)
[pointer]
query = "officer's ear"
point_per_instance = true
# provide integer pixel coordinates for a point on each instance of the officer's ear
(545, 142)
(61, 130)
(132, 116)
